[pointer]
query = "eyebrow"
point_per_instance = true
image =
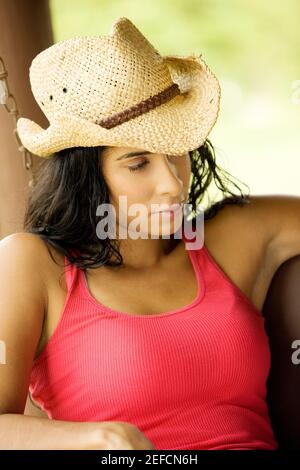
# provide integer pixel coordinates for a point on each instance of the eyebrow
(132, 154)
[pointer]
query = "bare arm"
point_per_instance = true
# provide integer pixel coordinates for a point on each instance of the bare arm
(23, 298)
(22, 306)
(18, 431)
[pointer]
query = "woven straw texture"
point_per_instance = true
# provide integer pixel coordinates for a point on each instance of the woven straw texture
(117, 90)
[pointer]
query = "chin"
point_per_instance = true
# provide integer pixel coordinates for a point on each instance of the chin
(165, 229)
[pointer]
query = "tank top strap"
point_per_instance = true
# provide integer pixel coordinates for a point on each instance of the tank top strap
(194, 240)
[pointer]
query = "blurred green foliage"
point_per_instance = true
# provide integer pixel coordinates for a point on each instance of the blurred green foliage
(257, 41)
(253, 47)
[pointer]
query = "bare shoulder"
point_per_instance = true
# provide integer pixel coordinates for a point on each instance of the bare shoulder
(270, 220)
(246, 222)
(258, 221)
(26, 256)
(25, 246)
(240, 239)
(280, 217)
(23, 295)
(25, 239)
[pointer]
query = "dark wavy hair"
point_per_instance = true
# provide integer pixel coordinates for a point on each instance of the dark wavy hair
(70, 186)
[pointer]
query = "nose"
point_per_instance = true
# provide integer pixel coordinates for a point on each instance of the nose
(168, 178)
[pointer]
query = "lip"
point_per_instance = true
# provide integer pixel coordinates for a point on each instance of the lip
(172, 209)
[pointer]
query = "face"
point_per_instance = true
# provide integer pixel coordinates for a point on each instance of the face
(152, 182)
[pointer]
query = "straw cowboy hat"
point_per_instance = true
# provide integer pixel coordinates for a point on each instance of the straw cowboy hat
(117, 90)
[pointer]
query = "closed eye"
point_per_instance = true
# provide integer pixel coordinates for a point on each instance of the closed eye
(138, 166)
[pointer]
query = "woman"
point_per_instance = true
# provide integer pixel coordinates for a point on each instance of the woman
(136, 342)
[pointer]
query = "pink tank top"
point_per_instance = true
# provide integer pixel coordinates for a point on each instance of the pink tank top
(190, 378)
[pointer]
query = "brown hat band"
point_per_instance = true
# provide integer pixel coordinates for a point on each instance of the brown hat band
(140, 108)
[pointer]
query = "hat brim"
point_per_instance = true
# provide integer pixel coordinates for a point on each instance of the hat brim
(175, 127)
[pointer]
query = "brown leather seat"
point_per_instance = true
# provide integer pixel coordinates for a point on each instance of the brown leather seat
(282, 323)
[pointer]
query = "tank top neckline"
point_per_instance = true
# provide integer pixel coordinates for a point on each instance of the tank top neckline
(201, 288)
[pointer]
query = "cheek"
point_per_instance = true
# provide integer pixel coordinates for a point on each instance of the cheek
(131, 186)
(184, 172)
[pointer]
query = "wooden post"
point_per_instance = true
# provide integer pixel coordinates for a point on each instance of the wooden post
(25, 30)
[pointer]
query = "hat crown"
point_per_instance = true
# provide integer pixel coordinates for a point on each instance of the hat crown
(117, 90)
(98, 75)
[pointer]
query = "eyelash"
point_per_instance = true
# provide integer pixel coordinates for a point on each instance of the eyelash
(139, 166)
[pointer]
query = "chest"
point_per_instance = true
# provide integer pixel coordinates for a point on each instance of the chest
(149, 292)
(157, 364)
(246, 264)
